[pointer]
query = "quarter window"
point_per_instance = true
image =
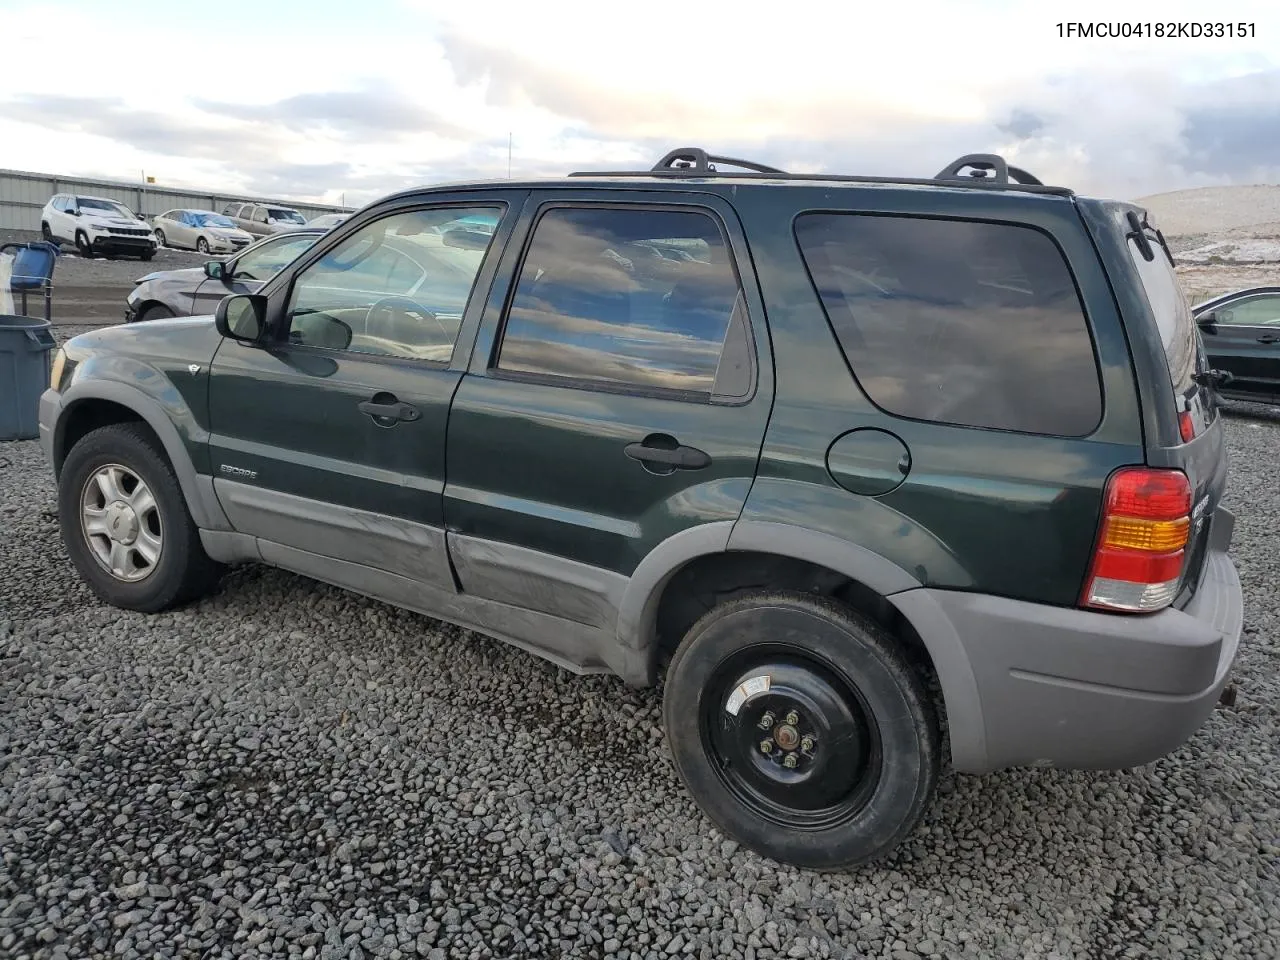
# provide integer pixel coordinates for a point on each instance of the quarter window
(397, 287)
(959, 322)
(624, 297)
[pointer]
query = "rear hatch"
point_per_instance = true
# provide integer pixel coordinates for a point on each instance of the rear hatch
(1182, 420)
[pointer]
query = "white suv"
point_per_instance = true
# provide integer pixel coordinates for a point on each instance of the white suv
(96, 225)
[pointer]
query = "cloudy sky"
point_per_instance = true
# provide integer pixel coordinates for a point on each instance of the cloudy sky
(322, 100)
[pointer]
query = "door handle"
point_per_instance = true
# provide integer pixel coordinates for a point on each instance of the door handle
(660, 450)
(385, 407)
(1269, 338)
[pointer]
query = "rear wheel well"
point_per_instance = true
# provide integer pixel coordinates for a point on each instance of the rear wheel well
(89, 415)
(712, 579)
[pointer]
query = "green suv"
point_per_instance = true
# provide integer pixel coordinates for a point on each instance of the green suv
(863, 468)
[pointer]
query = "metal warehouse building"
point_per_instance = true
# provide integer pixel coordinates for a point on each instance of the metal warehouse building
(23, 195)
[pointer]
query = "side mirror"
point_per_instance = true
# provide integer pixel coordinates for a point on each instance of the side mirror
(216, 270)
(74, 213)
(141, 217)
(242, 317)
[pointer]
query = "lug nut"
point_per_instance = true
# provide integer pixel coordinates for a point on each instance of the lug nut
(767, 721)
(790, 761)
(792, 718)
(807, 744)
(766, 747)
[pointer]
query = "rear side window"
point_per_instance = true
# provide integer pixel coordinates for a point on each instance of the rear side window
(1178, 332)
(960, 322)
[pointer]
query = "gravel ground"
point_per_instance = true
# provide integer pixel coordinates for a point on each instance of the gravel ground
(288, 770)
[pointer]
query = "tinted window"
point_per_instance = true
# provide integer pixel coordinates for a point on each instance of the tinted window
(597, 301)
(1178, 332)
(270, 258)
(396, 287)
(281, 215)
(975, 324)
(1258, 312)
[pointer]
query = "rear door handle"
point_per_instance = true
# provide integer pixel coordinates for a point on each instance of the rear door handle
(660, 450)
(386, 410)
(1269, 338)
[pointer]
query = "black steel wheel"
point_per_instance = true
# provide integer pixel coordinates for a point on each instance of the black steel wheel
(801, 730)
(803, 751)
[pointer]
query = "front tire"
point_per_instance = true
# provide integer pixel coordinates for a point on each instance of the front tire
(157, 311)
(83, 246)
(202, 246)
(800, 729)
(160, 239)
(125, 523)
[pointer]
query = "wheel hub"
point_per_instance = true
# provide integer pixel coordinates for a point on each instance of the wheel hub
(122, 522)
(788, 737)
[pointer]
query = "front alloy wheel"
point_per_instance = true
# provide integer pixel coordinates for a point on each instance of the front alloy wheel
(121, 523)
(125, 523)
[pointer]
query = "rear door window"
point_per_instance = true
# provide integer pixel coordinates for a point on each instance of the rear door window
(596, 302)
(954, 321)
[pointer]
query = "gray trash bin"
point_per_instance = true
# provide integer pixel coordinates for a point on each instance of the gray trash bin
(26, 348)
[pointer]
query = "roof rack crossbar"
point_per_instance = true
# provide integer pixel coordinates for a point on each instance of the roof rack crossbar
(697, 159)
(986, 166)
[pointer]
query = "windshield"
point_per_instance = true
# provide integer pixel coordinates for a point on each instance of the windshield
(212, 220)
(108, 207)
(286, 216)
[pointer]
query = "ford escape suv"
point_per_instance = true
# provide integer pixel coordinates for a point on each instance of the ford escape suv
(848, 462)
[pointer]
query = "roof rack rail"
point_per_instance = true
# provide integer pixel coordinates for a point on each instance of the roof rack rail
(986, 166)
(988, 171)
(697, 159)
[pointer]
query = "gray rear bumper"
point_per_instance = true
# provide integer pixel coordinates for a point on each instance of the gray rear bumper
(1027, 684)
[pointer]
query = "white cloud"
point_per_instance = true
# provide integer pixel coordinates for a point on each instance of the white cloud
(421, 90)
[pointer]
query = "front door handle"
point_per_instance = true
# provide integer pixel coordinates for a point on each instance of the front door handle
(661, 453)
(1269, 338)
(386, 410)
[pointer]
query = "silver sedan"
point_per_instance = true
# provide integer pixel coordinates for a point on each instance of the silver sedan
(200, 230)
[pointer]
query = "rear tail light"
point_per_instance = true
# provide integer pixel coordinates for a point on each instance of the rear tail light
(1186, 426)
(1146, 522)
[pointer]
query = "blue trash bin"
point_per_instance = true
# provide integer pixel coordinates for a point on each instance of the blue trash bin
(26, 356)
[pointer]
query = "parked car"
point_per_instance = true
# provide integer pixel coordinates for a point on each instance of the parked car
(195, 290)
(263, 219)
(201, 230)
(328, 220)
(878, 453)
(1241, 333)
(96, 225)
